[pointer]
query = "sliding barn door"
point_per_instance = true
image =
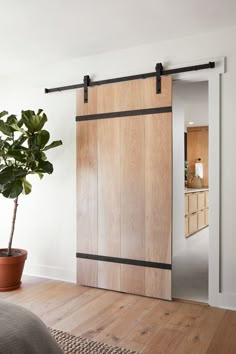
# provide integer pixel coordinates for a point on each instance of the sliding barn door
(124, 187)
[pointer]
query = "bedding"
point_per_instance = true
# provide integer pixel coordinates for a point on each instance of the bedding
(22, 332)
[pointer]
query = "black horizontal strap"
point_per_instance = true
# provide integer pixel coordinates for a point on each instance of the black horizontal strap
(136, 112)
(134, 262)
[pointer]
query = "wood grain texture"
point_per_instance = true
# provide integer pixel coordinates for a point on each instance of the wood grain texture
(125, 96)
(158, 283)
(201, 200)
(197, 147)
(87, 223)
(132, 202)
(143, 324)
(158, 187)
(109, 201)
(224, 340)
(132, 157)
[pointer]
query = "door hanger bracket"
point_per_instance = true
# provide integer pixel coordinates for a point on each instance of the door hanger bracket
(86, 85)
(159, 72)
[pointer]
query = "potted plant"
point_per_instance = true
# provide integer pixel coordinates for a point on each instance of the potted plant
(23, 147)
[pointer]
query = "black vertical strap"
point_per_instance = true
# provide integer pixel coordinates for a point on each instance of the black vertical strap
(159, 72)
(86, 84)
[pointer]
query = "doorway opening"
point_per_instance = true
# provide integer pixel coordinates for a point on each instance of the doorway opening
(191, 191)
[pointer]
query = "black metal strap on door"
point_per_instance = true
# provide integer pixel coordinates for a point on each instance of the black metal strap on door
(158, 73)
(86, 84)
(136, 112)
(134, 262)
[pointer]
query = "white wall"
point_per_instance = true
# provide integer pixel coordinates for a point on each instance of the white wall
(46, 224)
(179, 241)
(194, 97)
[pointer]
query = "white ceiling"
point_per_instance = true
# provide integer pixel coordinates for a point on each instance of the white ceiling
(34, 32)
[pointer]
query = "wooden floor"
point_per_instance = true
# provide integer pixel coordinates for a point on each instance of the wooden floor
(147, 325)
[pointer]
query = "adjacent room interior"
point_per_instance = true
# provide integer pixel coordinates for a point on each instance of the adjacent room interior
(191, 237)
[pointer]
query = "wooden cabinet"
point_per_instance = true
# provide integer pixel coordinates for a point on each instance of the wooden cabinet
(201, 201)
(201, 220)
(207, 199)
(186, 204)
(196, 211)
(206, 216)
(192, 223)
(192, 203)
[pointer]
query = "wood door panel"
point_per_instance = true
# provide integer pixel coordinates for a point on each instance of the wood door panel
(124, 188)
(109, 275)
(125, 96)
(158, 283)
(132, 279)
(132, 188)
(87, 187)
(109, 187)
(87, 272)
(109, 201)
(158, 187)
(132, 203)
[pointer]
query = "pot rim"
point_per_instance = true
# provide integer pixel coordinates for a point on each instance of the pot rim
(13, 259)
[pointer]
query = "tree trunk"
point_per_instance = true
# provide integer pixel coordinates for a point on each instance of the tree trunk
(12, 227)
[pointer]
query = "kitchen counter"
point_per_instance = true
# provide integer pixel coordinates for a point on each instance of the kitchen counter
(194, 190)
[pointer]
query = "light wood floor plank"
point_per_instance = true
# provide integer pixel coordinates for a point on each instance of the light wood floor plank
(224, 340)
(149, 326)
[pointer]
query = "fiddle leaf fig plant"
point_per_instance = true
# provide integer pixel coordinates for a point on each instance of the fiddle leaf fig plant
(23, 146)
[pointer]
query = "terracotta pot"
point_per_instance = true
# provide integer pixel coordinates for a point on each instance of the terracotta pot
(11, 269)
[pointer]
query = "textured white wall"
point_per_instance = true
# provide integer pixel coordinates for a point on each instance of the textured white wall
(179, 241)
(46, 225)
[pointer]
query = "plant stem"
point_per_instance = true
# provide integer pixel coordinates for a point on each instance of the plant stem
(12, 227)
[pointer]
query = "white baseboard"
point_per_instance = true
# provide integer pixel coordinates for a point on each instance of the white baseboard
(56, 273)
(228, 301)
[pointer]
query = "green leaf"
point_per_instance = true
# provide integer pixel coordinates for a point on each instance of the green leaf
(6, 175)
(15, 127)
(42, 138)
(11, 119)
(45, 167)
(13, 189)
(53, 145)
(17, 155)
(40, 175)
(27, 187)
(3, 113)
(40, 156)
(5, 129)
(39, 112)
(11, 173)
(33, 122)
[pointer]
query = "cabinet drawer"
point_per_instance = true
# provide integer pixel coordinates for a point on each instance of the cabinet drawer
(207, 199)
(192, 223)
(186, 226)
(201, 200)
(201, 219)
(192, 202)
(206, 216)
(186, 204)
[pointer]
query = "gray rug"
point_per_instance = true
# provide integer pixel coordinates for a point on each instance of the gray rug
(71, 344)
